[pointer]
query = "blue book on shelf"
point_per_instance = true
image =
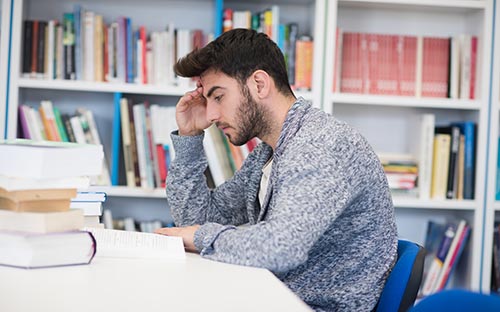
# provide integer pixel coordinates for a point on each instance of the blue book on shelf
(468, 129)
(497, 190)
(130, 50)
(116, 140)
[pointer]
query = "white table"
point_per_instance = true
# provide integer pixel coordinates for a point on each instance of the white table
(109, 284)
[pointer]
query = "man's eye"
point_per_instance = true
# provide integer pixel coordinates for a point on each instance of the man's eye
(218, 98)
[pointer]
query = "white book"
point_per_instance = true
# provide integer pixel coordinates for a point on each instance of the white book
(139, 126)
(170, 53)
(59, 52)
(89, 208)
(77, 130)
(51, 45)
(41, 222)
(47, 159)
(128, 244)
(465, 68)
(30, 250)
(37, 119)
(138, 64)
(150, 63)
(422, 149)
(214, 163)
(88, 46)
(87, 196)
(18, 184)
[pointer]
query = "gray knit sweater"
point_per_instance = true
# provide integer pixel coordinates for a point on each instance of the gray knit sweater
(326, 228)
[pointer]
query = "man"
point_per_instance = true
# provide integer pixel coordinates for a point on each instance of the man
(314, 195)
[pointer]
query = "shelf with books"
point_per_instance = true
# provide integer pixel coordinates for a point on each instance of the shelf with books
(404, 101)
(455, 5)
(405, 202)
(5, 16)
(28, 88)
(92, 86)
(297, 27)
(492, 203)
(390, 63)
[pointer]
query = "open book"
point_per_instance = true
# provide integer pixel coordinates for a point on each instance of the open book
(126, 244)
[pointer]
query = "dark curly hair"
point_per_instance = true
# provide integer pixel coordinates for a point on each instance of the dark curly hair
(238, 53)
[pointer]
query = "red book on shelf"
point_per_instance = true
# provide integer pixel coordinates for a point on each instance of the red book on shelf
(435, 70)
(143, 38)
(406, 64)
(473, 67)
(351, 79)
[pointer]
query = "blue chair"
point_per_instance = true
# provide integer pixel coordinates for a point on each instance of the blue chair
(458, 300)
(403, 283)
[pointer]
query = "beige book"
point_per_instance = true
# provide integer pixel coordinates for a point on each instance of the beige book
(41, 222)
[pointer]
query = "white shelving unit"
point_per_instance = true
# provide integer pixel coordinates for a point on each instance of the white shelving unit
(5, 9)
(492, 206)
(386, 120)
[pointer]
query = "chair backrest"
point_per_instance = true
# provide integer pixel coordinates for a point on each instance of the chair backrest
(458, 300)
(401, 287)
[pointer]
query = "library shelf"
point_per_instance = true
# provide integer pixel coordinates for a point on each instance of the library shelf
(404, 101)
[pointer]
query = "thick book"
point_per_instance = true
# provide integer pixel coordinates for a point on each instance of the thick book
(45, 159)
(38, 194)
(30, 251)
(440, 164)
(128, 244)
(17, 184)
(41, 222)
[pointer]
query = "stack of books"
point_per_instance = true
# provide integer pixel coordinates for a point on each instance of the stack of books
(38, 182)
(91, 203)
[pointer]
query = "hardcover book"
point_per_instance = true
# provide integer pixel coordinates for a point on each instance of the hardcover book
(30, 251)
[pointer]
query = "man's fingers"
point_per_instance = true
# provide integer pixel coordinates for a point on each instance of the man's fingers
(165, 231)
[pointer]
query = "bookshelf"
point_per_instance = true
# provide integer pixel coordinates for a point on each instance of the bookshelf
(492, 205)
(5, 9)
(384, 119)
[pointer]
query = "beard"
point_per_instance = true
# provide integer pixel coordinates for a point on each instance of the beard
(250, 120)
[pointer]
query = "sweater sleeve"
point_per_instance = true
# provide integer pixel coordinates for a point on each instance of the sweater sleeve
(190, 200)
(306, 200)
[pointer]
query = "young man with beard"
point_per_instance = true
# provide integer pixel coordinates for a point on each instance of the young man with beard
(314, 196)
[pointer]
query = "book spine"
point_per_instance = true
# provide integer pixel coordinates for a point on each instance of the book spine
(60, 126)
(452, 168)
(126, 142)
(28, 46)
(78, 14)
(115, 139)
(69, 46)
(40, 67)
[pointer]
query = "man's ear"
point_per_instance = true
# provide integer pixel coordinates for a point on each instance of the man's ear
(262, 83)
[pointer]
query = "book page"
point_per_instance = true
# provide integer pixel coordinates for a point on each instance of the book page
(127, 244)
